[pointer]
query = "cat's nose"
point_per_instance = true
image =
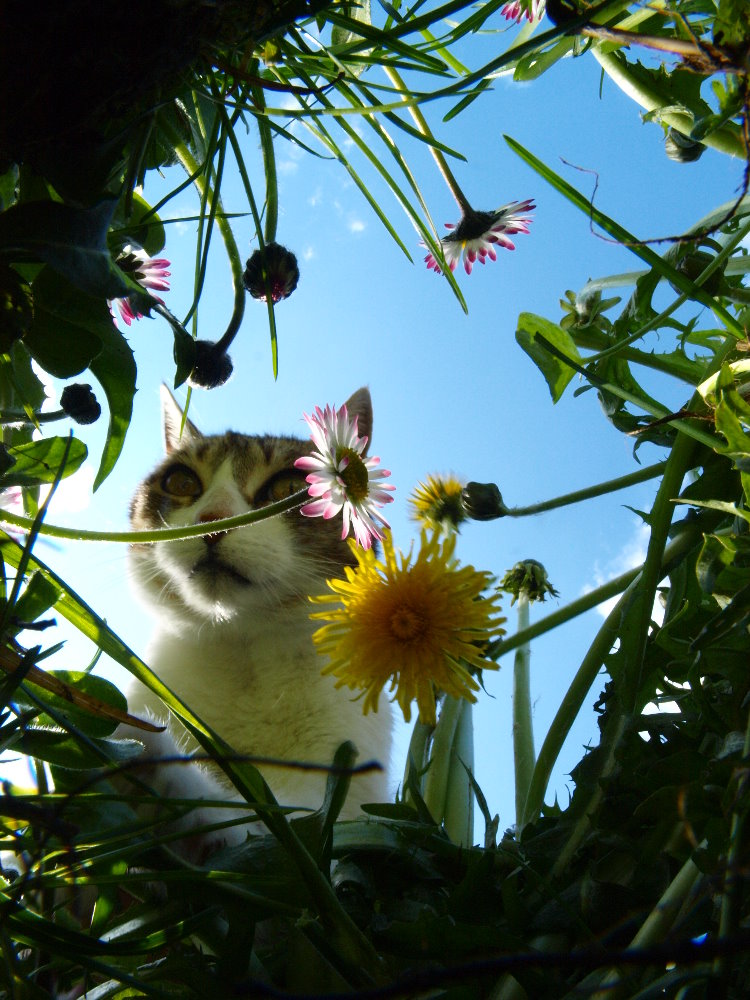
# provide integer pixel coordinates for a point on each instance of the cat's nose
(212, 515)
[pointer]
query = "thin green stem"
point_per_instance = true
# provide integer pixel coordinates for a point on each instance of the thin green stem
(421, 122)
(523, 734)
(610, 486)
(191, 166)
(160, 534)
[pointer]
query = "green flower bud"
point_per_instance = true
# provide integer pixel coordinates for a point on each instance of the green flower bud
(80, 404)
(483, 501)
(527, 579)
(682, 149)
(212, 368)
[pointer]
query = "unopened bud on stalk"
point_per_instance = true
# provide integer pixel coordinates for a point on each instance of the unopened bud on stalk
(80, 404)
(483, 501)
(272, 269)
(682, 149)
(527, 579)
(212, 367)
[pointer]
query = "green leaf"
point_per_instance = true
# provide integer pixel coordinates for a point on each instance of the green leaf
(68, 326)
(71, 240)
(39, 596)
(115, 369)
(38, 461)
(89, 723)
(556, 373)
(69, 752)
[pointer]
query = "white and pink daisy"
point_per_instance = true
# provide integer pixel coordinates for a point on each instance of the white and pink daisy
(341, 478)
(476, 235)
(517, 10)
(150, 272)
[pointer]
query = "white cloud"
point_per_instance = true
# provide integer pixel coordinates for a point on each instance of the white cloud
(630, 556)
(356, 225)
(309, 253)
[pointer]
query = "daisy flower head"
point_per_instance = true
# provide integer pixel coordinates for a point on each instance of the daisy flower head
(418, 623)
(341, 478)
(438, 503)
(149, 272)
(517, 10)
(477, 234)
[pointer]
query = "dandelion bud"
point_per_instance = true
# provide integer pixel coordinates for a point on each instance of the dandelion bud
(16, 308)
(527, 579)
(681, 149)
(212, 368)
(483, 501)
(274, 268)
(80, 404)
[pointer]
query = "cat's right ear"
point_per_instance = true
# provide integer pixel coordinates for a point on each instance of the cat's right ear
(171, 413)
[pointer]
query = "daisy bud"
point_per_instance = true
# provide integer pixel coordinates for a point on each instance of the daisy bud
(527, 579)
(212, 368)
(276, 264)
(80, 404)
(681, 149)
(483, 501)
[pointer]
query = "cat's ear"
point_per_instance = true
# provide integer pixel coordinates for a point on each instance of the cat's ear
(359, 405)
(171, 413)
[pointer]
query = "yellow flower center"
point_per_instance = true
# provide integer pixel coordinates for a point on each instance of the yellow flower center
(407, 625)
(354, 476)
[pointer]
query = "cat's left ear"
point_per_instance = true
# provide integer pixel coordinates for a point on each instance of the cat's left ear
(171, 413)
(359, 405)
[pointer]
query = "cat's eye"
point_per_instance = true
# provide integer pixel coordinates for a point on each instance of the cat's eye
(281, 486)
(181, 481)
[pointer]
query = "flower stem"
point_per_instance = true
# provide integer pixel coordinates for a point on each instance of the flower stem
(459, 798)
(724, 139)
(588, 672)
(610, 486)
(436, 779)
(160, 534)
(421, 122)
(523, 734)
(191, 166)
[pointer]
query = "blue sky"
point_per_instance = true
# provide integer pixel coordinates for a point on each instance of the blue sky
(452, 392)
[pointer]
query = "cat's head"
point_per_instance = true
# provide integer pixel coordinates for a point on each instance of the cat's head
(251, 571)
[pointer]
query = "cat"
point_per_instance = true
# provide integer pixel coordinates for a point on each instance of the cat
(233, 637)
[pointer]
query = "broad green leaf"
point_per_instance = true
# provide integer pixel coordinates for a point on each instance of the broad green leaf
(71, 240)
(96, 687)
(556, 373)
(39, 461)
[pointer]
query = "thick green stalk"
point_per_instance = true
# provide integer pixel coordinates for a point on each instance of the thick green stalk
(724, 139)
(436, 779)
(582, 604)
(588, 671)
(523, 734)
(459, 798)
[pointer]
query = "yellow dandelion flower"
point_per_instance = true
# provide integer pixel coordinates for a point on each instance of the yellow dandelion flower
(420, 623)
(438, 502)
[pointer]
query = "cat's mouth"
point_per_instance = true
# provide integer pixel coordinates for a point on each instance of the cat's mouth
(214, 567)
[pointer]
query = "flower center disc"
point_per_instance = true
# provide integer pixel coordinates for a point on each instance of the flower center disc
(406, 625)
(354, 476)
